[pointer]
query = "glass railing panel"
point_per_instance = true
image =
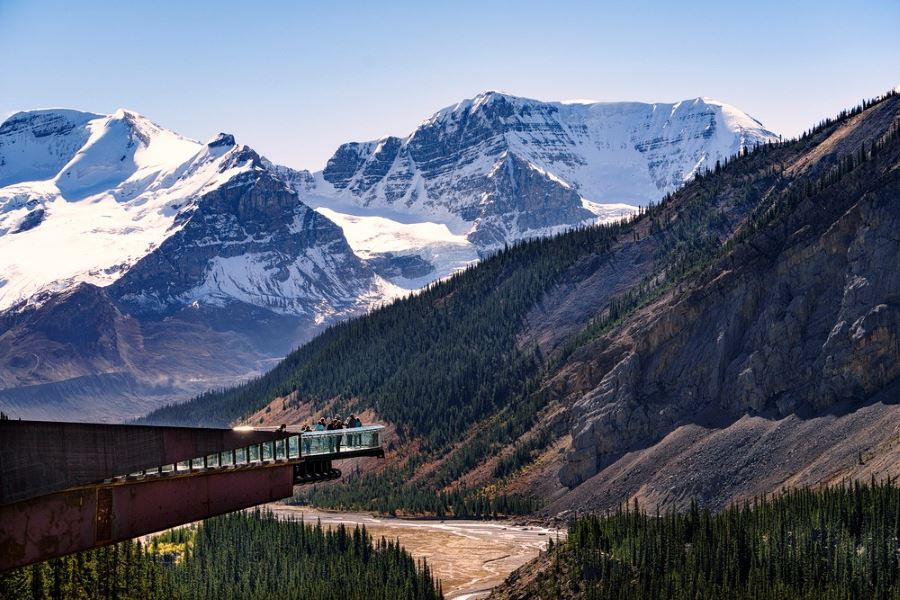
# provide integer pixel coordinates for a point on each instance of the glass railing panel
(344, 440)
(291, 448)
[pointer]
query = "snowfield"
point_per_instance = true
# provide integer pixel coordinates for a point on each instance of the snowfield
(111, 201)
(84, 197)
(609, 152)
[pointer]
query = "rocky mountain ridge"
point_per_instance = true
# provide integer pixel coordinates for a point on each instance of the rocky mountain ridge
(180, 245)
(501, 168)
(173, 247)
(800, 319)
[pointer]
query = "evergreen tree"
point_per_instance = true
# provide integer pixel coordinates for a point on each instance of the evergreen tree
(832, 543)
(241, 555)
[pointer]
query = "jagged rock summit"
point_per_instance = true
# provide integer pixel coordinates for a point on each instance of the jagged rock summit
(499, 167)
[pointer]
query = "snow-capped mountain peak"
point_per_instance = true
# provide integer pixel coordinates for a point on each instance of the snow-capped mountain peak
(483, 172)
(504, 167)
(469, 105)
(123, 147)
(132, 257)
(107, 190)
(35, 145)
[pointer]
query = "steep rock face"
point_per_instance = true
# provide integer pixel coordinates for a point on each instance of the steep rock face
(524, 199)
(252, 241)
(55, 340)
(802, 316)
(498, 163)
(300, 181)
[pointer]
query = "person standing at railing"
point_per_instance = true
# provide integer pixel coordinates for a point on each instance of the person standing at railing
(336, 425)
(353, 422)
(321, 426)
(307, 441)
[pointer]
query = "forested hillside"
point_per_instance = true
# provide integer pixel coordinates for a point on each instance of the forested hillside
(237, 556)
(828, 544)
(433, 363)
(545, 364)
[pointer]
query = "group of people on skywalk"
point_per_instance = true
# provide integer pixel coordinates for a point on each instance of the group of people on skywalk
(335, 423)
(334, 445)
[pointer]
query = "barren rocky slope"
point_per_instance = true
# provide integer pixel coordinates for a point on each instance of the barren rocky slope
(788, 334)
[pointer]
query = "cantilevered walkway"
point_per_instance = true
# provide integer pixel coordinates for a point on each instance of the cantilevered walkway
(66, 487)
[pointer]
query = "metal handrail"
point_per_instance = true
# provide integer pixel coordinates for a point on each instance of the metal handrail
(307, 444)
(326, 432)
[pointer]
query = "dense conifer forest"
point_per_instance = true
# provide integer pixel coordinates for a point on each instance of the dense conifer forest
(237, 556)
(433, 363)
(833, 543)
(389, 492)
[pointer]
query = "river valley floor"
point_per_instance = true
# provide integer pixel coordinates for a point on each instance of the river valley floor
(469, 557)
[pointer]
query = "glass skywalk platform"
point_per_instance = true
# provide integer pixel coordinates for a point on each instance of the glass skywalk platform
(297, 448)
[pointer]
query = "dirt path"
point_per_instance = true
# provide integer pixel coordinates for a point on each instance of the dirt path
(469, 557)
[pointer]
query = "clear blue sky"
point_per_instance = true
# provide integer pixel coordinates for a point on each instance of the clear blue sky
(295, 79)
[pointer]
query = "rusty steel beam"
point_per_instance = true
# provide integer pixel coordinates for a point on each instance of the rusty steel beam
(38, 457)
(50, 526)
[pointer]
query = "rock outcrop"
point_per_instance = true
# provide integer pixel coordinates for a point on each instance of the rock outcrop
(801, 316)
(250, 241)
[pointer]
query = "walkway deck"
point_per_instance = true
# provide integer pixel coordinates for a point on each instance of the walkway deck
(66, 487)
